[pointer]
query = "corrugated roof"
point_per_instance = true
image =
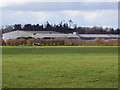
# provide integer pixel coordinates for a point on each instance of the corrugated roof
(16, 34)
(43, 32)
(55, 35)
(98, 35)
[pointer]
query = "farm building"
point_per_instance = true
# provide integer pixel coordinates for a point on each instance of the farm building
(52, 34)
(49, 36)
(100, 36)
(37, 34)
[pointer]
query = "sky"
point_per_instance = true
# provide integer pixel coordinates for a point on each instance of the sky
(102, 13)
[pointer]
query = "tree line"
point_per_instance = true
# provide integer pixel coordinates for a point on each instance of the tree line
(62, 27)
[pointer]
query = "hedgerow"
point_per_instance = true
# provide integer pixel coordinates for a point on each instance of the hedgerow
(60, 42)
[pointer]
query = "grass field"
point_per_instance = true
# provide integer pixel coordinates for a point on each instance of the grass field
(60, 67)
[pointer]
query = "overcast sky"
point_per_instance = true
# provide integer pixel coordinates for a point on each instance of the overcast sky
(87, 13)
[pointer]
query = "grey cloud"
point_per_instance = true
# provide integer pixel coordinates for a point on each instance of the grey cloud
(59, 6)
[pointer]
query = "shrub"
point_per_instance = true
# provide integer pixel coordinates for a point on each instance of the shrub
(16, 42)
(60, 42)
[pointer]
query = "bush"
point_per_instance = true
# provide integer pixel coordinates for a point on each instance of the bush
(60, 42)
(45, 42)
(16, 42)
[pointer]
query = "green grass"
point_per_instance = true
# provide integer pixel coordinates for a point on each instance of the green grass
(60, 67)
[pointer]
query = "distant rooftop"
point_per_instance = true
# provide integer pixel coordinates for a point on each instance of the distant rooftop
(98, 35)
(43, 32)
(56, 35)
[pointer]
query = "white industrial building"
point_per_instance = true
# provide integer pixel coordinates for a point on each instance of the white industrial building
(52, 34)
(36, 34)
(100, 36)
(56, 36)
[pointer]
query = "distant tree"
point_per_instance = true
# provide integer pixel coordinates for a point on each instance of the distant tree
(111, 31)
(48, 27)
(27, 27)
(17, 27)
(117, 31)
(70, 23)
(62, 27)
(8, 28)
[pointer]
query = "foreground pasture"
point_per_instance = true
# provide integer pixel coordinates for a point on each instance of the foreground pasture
(60, 67)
